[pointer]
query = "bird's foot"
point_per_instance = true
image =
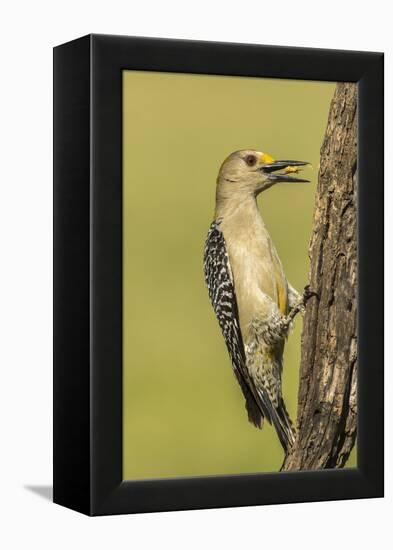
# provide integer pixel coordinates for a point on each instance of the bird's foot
(300, 306)
(308, 293)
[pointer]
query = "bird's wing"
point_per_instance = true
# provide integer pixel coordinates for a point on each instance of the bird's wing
(219, 281)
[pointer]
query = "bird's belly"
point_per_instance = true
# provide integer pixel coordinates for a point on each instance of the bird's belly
(264, 364)
(255, 292)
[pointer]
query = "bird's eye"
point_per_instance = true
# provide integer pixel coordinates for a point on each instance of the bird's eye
(250, 160)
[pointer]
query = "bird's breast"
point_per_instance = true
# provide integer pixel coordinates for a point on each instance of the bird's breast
(258, 275)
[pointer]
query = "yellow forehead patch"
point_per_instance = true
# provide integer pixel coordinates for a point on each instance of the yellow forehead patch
(266, 159)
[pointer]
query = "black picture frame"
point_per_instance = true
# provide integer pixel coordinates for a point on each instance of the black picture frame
(88, 274)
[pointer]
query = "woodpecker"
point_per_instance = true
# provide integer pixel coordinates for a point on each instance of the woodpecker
(251, 297)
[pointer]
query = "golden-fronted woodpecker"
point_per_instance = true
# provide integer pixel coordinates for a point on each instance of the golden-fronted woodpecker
(248, 289)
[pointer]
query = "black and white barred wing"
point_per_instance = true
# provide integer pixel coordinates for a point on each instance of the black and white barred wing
(219, 281)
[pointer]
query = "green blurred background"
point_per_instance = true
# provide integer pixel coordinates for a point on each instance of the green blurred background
(183, 412)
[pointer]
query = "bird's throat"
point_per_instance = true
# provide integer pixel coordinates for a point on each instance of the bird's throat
(240, 207)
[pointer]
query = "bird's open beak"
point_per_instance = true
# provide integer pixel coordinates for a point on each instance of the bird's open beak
(287, 167)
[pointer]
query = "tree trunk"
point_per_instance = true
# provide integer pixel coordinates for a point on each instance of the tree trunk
(327, 401)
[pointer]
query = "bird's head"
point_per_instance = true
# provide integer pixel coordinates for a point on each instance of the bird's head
(251, 172)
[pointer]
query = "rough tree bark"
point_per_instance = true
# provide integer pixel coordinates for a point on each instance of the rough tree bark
(327, 404)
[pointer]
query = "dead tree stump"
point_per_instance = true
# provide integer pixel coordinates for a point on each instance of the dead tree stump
(327, 400)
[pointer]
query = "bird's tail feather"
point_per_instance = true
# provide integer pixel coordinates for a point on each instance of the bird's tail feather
(283, 425)
(279, 417)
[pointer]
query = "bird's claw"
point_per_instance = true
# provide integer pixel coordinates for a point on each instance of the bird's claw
(308, 293)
